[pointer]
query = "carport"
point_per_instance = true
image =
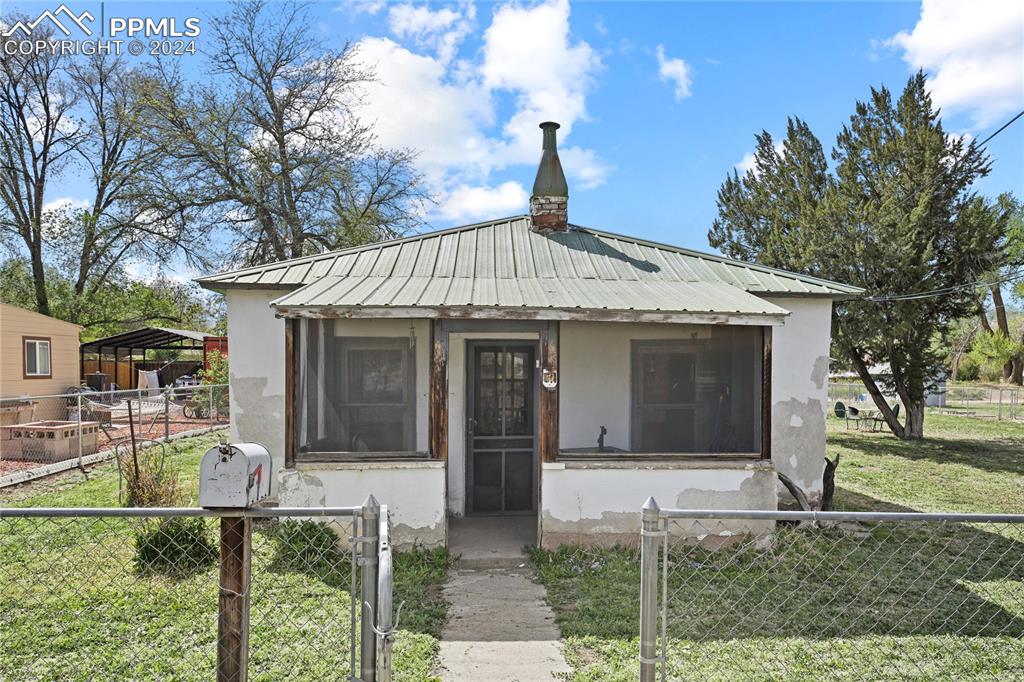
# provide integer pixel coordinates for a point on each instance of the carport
(119, 356)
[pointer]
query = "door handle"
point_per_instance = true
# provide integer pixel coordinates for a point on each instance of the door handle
(470, 426)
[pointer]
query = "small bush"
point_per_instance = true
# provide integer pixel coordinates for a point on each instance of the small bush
(305, 545)
(146, 482)
(175, 546)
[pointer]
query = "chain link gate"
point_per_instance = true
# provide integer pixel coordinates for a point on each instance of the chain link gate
(104, 593)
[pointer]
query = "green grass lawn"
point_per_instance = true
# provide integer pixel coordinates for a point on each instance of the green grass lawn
(869, 601)
(74, 606)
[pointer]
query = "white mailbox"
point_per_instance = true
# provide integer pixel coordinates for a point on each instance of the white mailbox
(234, 476)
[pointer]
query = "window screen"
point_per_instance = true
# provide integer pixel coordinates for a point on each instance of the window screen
(37, 357)
(354, 394)
(699, 395)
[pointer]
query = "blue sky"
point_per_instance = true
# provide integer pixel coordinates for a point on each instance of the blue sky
(659, 101)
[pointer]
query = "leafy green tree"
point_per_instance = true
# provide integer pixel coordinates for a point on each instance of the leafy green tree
(120, 305)
(1009, 273)
(897, 216)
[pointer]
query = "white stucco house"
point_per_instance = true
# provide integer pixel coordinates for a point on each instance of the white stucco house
(528, 365)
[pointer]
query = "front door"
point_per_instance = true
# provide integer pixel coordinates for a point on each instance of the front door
(501, 428)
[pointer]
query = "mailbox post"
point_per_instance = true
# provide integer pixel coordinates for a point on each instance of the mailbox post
(234, 477)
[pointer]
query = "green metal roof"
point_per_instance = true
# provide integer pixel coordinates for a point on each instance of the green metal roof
(504, 263)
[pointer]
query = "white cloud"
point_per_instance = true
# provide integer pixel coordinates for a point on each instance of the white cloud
(472, 117)
(973, 52)
(466, 202)
(65, 204)
(675, 71)
(442, 30)
(528, 51)
(360, 6)
(747, 163)
(585, 167)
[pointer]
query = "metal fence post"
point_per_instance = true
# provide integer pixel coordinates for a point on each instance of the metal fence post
(167, 415)
(385, 596)
(79, 397)
(369, 517)
(233, 601)
(209, 390)
(650, 535)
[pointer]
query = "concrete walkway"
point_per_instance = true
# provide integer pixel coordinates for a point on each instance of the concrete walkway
(499, 627)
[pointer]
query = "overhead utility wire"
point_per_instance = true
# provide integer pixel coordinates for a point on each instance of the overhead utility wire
(958, 287)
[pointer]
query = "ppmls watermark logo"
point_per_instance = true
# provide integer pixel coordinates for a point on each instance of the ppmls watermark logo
(61, 31)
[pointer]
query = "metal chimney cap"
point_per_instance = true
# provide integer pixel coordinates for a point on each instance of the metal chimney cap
(550, 180)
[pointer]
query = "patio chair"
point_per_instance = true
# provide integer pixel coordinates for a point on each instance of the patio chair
(848, 413)
(880, 419)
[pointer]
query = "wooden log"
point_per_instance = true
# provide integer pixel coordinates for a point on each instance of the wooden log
(549, 396)
(766, 393)
(290, 364)
(438, 408)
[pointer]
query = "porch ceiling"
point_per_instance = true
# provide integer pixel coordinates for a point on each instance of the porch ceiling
(529, 298)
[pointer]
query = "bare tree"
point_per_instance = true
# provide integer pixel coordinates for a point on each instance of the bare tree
(91, 244)
(39, 134)
(270, 145)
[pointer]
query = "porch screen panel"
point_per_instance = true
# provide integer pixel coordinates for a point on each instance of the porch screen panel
(356, 394)
(698, 395)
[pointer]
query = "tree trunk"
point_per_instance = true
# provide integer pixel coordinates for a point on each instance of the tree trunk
(914, 421)
(1002, 324)
(39, 279)
(876, 393)
(1017, 373)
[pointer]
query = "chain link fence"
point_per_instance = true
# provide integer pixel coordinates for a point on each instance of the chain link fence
(1002, 403)
(136, 594)
(831, 595)
(81, 427)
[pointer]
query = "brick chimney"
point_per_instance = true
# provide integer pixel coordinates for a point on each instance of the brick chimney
(549, 201)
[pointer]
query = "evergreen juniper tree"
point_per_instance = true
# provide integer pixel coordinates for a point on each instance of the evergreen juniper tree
(896, 215)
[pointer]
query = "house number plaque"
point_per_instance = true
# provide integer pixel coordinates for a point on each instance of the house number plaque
(549, 378)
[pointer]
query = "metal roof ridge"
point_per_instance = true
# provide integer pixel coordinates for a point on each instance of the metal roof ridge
(719, 259)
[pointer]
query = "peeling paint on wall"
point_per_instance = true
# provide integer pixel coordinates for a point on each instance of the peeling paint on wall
(594, 505)
(804, 445)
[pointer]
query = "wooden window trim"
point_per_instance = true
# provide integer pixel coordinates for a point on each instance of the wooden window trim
(24, 357)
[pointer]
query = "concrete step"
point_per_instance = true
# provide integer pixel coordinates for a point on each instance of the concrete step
(480, 563)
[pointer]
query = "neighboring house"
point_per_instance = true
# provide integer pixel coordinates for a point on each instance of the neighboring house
(475, 370)
(38, 354)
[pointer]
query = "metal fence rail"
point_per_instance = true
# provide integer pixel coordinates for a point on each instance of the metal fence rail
(754, 595)
(140, 593)
(999, 402)
(82, 426)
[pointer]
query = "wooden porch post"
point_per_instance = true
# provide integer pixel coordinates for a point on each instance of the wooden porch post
(438, 412)
(549, 396)
(289, 393)
(766, 393)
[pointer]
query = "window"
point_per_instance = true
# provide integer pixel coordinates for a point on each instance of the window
(353, 394)
(37, 358)
(698, 395)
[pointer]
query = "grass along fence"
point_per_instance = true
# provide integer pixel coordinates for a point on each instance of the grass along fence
(838, 595)
(133, 594)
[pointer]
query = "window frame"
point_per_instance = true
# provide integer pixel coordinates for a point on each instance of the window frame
(38, 341)
(638, 347)
(337, 366)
